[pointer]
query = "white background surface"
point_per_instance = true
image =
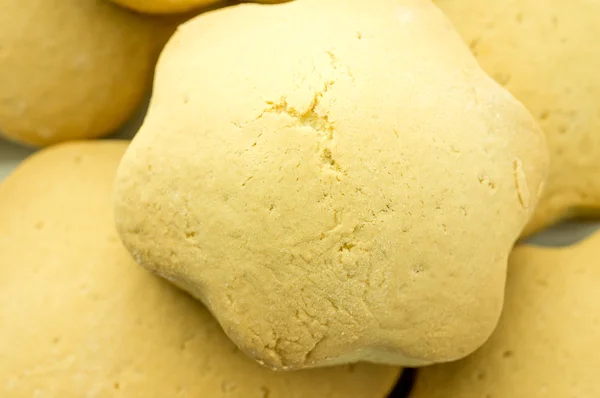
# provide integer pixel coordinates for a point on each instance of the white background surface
(563, 235)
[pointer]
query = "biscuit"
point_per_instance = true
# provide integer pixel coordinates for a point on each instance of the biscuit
(177, 6)
(547, 55)
(164, 6)
(72, 69)
(548, 340)
(79, 318)
(325, 204)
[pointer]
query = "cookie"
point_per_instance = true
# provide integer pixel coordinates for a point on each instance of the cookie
(326, 203)
(72, 69)
(80, 318)
(547, 55)
(548, 341)
(164, 6)
(177, 6)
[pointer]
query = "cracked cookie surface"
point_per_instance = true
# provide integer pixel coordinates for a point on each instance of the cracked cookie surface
(319, 181)
(81, 319)
(546, 54)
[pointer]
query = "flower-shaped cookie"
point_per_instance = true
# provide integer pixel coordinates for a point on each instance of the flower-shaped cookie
(339, 182)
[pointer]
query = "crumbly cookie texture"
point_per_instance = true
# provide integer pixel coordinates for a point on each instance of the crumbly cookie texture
(80, 318)
(341, 182)
(546, 54)
(548, 339)
(73, 69)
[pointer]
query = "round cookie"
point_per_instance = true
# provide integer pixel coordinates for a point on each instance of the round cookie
(176, 6)
(548, 340)
(546, 54)
(165, 6)
(325, 205)
(72, 69)
(80, 318)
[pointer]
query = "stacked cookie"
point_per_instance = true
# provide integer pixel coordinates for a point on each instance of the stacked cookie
(321, 193)
(80, 318)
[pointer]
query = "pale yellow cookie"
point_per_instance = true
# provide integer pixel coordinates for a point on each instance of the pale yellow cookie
(178, 6)
(80, 319)
(72, 69)
(547, 54)
(164, 6)
(547, 344)
(340, 182)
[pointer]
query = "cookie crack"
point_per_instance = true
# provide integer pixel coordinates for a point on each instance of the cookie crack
(309, 356)
(319, 123)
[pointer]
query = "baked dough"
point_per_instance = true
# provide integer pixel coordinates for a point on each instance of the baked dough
(79, 318)
(165, 6)
(547, 54)
(548, 341)
(340, 182)
(72, 69)
(178, 6)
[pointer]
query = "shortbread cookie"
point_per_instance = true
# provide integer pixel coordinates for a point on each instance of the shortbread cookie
(547, 54)
(548, 341)
(79, 318)
(177, 6)
(165, 6)
(341, 182)
(72, 69)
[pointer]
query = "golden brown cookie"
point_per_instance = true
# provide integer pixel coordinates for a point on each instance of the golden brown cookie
(72, 69)
(548, 341)
(326, 203)
(546, 54)
(79, 318)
